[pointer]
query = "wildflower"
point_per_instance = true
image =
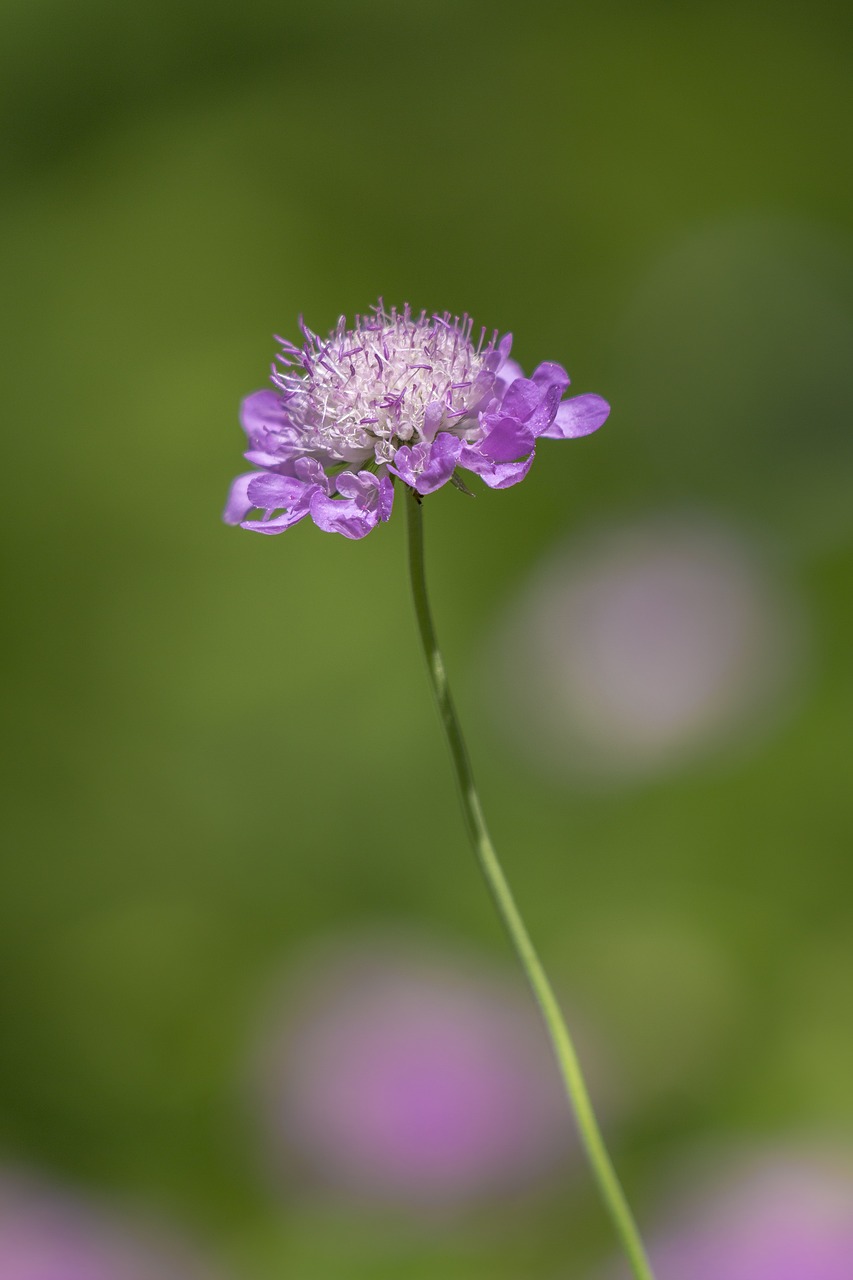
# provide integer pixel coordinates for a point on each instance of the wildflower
(644, 645)
(48, 1234)
(393, 1075)
(787, 1217)
(395, 396)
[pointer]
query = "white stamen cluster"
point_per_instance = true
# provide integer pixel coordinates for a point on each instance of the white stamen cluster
(367, 389)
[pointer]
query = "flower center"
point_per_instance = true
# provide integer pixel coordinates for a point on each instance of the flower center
(391, 379)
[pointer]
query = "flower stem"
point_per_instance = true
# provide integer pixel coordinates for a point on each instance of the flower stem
(567, 1059)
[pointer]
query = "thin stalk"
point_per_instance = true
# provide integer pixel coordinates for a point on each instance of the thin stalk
(567, 1059)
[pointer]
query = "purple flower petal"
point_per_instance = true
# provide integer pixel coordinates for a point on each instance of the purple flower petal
(366, 499)
(424, 467)
(549, 374)
(521, 399)
(507, 374)
(409, 462)
(342, 515)
(361, 487)
(261, 412)
(272, 492)
(579, 416)
(277, 525)
(443, 457)
(386, 499)
(497, 475)
(272, 461)
(238, 505)
(545, 412)
(311, 471)
(483, 391)
(506, 440)
(433, 415)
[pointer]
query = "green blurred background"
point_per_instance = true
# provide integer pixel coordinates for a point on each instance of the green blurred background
(221, 746)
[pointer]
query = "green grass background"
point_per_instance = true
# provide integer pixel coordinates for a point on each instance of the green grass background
(221, 746)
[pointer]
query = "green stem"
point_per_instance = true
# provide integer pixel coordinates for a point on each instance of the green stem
(611, 1191)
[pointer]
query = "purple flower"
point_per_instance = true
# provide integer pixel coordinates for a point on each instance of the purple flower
(398, 1078)
(644, 645)
(397, 396)
(779, 1218)
(47, 1235)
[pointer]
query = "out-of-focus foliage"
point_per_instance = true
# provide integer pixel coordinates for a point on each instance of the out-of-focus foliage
(220, 746)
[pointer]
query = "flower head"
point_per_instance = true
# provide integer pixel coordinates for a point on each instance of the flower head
(395, 395)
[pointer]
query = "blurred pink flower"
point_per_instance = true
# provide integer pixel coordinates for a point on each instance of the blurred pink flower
(402, 1078)
(50, 1235)
(644, 644)
(782, 1217)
